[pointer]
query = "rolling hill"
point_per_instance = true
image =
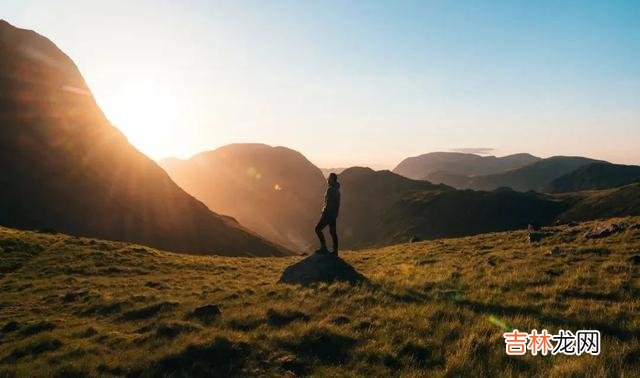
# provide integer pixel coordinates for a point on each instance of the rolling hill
(455, 163)
(65, 167)
(601, 204)
(596, 176)
(536, 176)
(274, 191)
(382, 208)
(73, 307)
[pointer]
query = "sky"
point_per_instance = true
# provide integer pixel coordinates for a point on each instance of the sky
(358, 82)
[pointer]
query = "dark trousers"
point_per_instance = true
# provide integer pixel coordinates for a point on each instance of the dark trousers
(327, 220)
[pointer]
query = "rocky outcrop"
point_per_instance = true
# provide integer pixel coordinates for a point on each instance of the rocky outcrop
(318, 268)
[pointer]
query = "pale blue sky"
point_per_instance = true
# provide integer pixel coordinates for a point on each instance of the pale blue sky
(358, 82)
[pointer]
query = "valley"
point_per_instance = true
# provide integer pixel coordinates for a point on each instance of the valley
(151, 231)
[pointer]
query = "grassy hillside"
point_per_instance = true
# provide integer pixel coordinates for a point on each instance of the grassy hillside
(74, 306)
(601, 204)
(596, 176)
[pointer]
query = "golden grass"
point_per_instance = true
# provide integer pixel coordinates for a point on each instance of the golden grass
(76, 306)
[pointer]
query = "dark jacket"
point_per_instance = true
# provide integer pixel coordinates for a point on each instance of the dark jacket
(332, 200)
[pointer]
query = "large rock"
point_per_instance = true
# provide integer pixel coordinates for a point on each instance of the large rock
(320, 268)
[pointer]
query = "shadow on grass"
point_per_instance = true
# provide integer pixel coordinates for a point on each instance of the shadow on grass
(104, 309)
(170, 330)
(34, 349)
(576, 324)
(220, 358)
(34, 329)
(279, 318)
(455, 297)
(149, 311)
(322, 344)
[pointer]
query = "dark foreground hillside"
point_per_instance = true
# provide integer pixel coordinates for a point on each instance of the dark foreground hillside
(75, 306)
(601, 204)
(382, 208)
(596, 176)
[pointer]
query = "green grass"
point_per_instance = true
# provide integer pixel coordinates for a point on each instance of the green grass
(76, 306)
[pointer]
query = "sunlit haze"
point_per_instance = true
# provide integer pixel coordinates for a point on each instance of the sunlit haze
(358, 82)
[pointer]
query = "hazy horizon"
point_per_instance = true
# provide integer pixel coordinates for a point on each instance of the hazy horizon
(373, 166)
(358, 83)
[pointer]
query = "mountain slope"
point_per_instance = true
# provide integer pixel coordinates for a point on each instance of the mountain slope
(596, 176)
(64, 166)
(536, 176)
(434, 308)
(420, 167)
(382, 208)
(602, 204)
(447, 178)
(274, 191)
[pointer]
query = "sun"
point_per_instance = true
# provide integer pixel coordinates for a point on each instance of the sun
(147, 113)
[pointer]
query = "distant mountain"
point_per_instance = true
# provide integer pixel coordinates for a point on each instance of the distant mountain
(64, 166)
(596, 176)
(275, 191)
(602, 204)
(380, 208)
(455, 163)
(536, 176)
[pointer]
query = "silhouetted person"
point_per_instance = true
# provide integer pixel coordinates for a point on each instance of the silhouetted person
(330, 213)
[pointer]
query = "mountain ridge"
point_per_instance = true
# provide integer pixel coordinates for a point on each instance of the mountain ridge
(275, 191)
(65, 167)
(421, 166)
(537, 176)
(383, 208)
(600, 175)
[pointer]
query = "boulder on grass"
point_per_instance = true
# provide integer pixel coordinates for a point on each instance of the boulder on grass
(320, 267)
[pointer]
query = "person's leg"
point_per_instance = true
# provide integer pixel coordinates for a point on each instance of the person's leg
(319, 227)
(334, 235)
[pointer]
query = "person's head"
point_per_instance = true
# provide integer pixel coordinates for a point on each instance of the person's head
(332, 179)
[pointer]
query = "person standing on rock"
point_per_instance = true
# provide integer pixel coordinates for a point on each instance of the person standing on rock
(329, 215)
